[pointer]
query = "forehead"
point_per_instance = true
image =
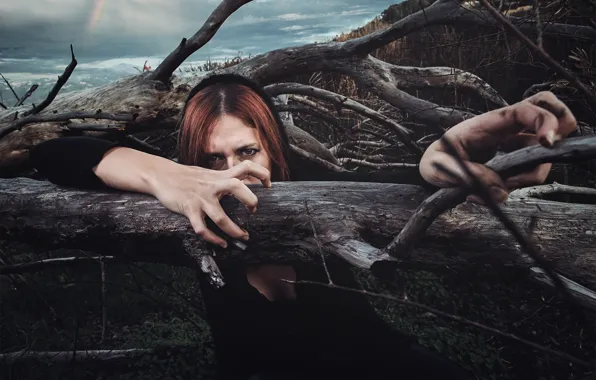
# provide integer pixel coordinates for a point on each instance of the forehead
(230, 133)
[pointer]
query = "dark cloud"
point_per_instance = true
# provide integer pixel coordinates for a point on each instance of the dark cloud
(35, 34)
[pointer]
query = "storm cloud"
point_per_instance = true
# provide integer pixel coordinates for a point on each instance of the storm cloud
(111, 37)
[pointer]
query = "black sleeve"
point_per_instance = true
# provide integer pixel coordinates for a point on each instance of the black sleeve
(69, 161)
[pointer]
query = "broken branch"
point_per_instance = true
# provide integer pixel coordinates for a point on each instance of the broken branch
(567, 150)
(62, 79)
(27, 94)
(186, 47)
(344, 101)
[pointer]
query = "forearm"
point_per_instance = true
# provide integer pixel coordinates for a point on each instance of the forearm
(132, 170)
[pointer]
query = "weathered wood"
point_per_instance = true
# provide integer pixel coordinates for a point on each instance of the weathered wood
(353, 222)
(158, 101)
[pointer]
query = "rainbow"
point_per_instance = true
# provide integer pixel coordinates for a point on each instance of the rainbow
(95, 14)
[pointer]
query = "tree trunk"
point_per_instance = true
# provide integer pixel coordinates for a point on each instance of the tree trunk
(353, 221)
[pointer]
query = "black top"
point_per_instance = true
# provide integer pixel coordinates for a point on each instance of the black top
(325, 332)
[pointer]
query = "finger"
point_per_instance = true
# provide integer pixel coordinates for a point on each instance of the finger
(529, 178)
(196, 218)
(548, 101)
(251, 168)
(239, 190)
(214, 211)
(519, 141)
(490, 179)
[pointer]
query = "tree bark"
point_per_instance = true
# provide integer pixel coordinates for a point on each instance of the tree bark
(353, 221)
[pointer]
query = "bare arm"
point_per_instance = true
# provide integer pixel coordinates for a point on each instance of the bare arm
(188, 190)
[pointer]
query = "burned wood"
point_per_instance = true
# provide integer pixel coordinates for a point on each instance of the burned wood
(62, 79)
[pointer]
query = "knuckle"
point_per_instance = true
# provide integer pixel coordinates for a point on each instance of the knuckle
(218, 219)
(234, 183)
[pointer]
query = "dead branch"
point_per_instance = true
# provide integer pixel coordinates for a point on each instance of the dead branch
(553, 188)
(19, 123)
(37, 266)
(316, 159)
(9, 86)
(478, 187)
(3, 106)
(27, 94)
(378, 166)
(224, 10)
(378, 76)
(144, 146)
(311, 111)
(62, 79)
(539, 50)
(457, 318)
(343, 101)
(407, 77)
(568, 150)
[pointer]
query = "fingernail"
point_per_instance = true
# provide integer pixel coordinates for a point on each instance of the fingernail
(549, 137)
(224, 245)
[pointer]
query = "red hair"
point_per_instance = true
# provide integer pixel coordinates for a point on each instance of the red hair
(206, 107)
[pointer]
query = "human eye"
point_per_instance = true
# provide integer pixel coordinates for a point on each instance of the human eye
(213, 158)
(249, 152)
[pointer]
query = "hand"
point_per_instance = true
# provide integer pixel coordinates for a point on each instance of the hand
(195, 192)
(478, 139)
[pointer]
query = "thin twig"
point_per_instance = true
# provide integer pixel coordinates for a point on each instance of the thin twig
(49, 263)
(9, 86)
(457, 318)
(144, 146)
(518, 234)
(27, 94)
(62, 79)
(345, 102)
(3, 106)
(549, 60)
(378, 166)
(314, 231)
(314, 158)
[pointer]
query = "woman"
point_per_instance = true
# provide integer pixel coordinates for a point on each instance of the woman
(231, 136)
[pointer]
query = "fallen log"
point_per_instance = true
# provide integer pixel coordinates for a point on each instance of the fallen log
(353, 222)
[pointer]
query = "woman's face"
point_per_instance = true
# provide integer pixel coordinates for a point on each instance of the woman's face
(231, 142)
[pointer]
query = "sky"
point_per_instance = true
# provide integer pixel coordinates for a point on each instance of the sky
(112, 37)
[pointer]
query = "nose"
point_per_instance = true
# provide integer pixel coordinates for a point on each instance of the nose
(231, 162)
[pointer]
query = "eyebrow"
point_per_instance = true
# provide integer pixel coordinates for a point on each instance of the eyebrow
(253, 145)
